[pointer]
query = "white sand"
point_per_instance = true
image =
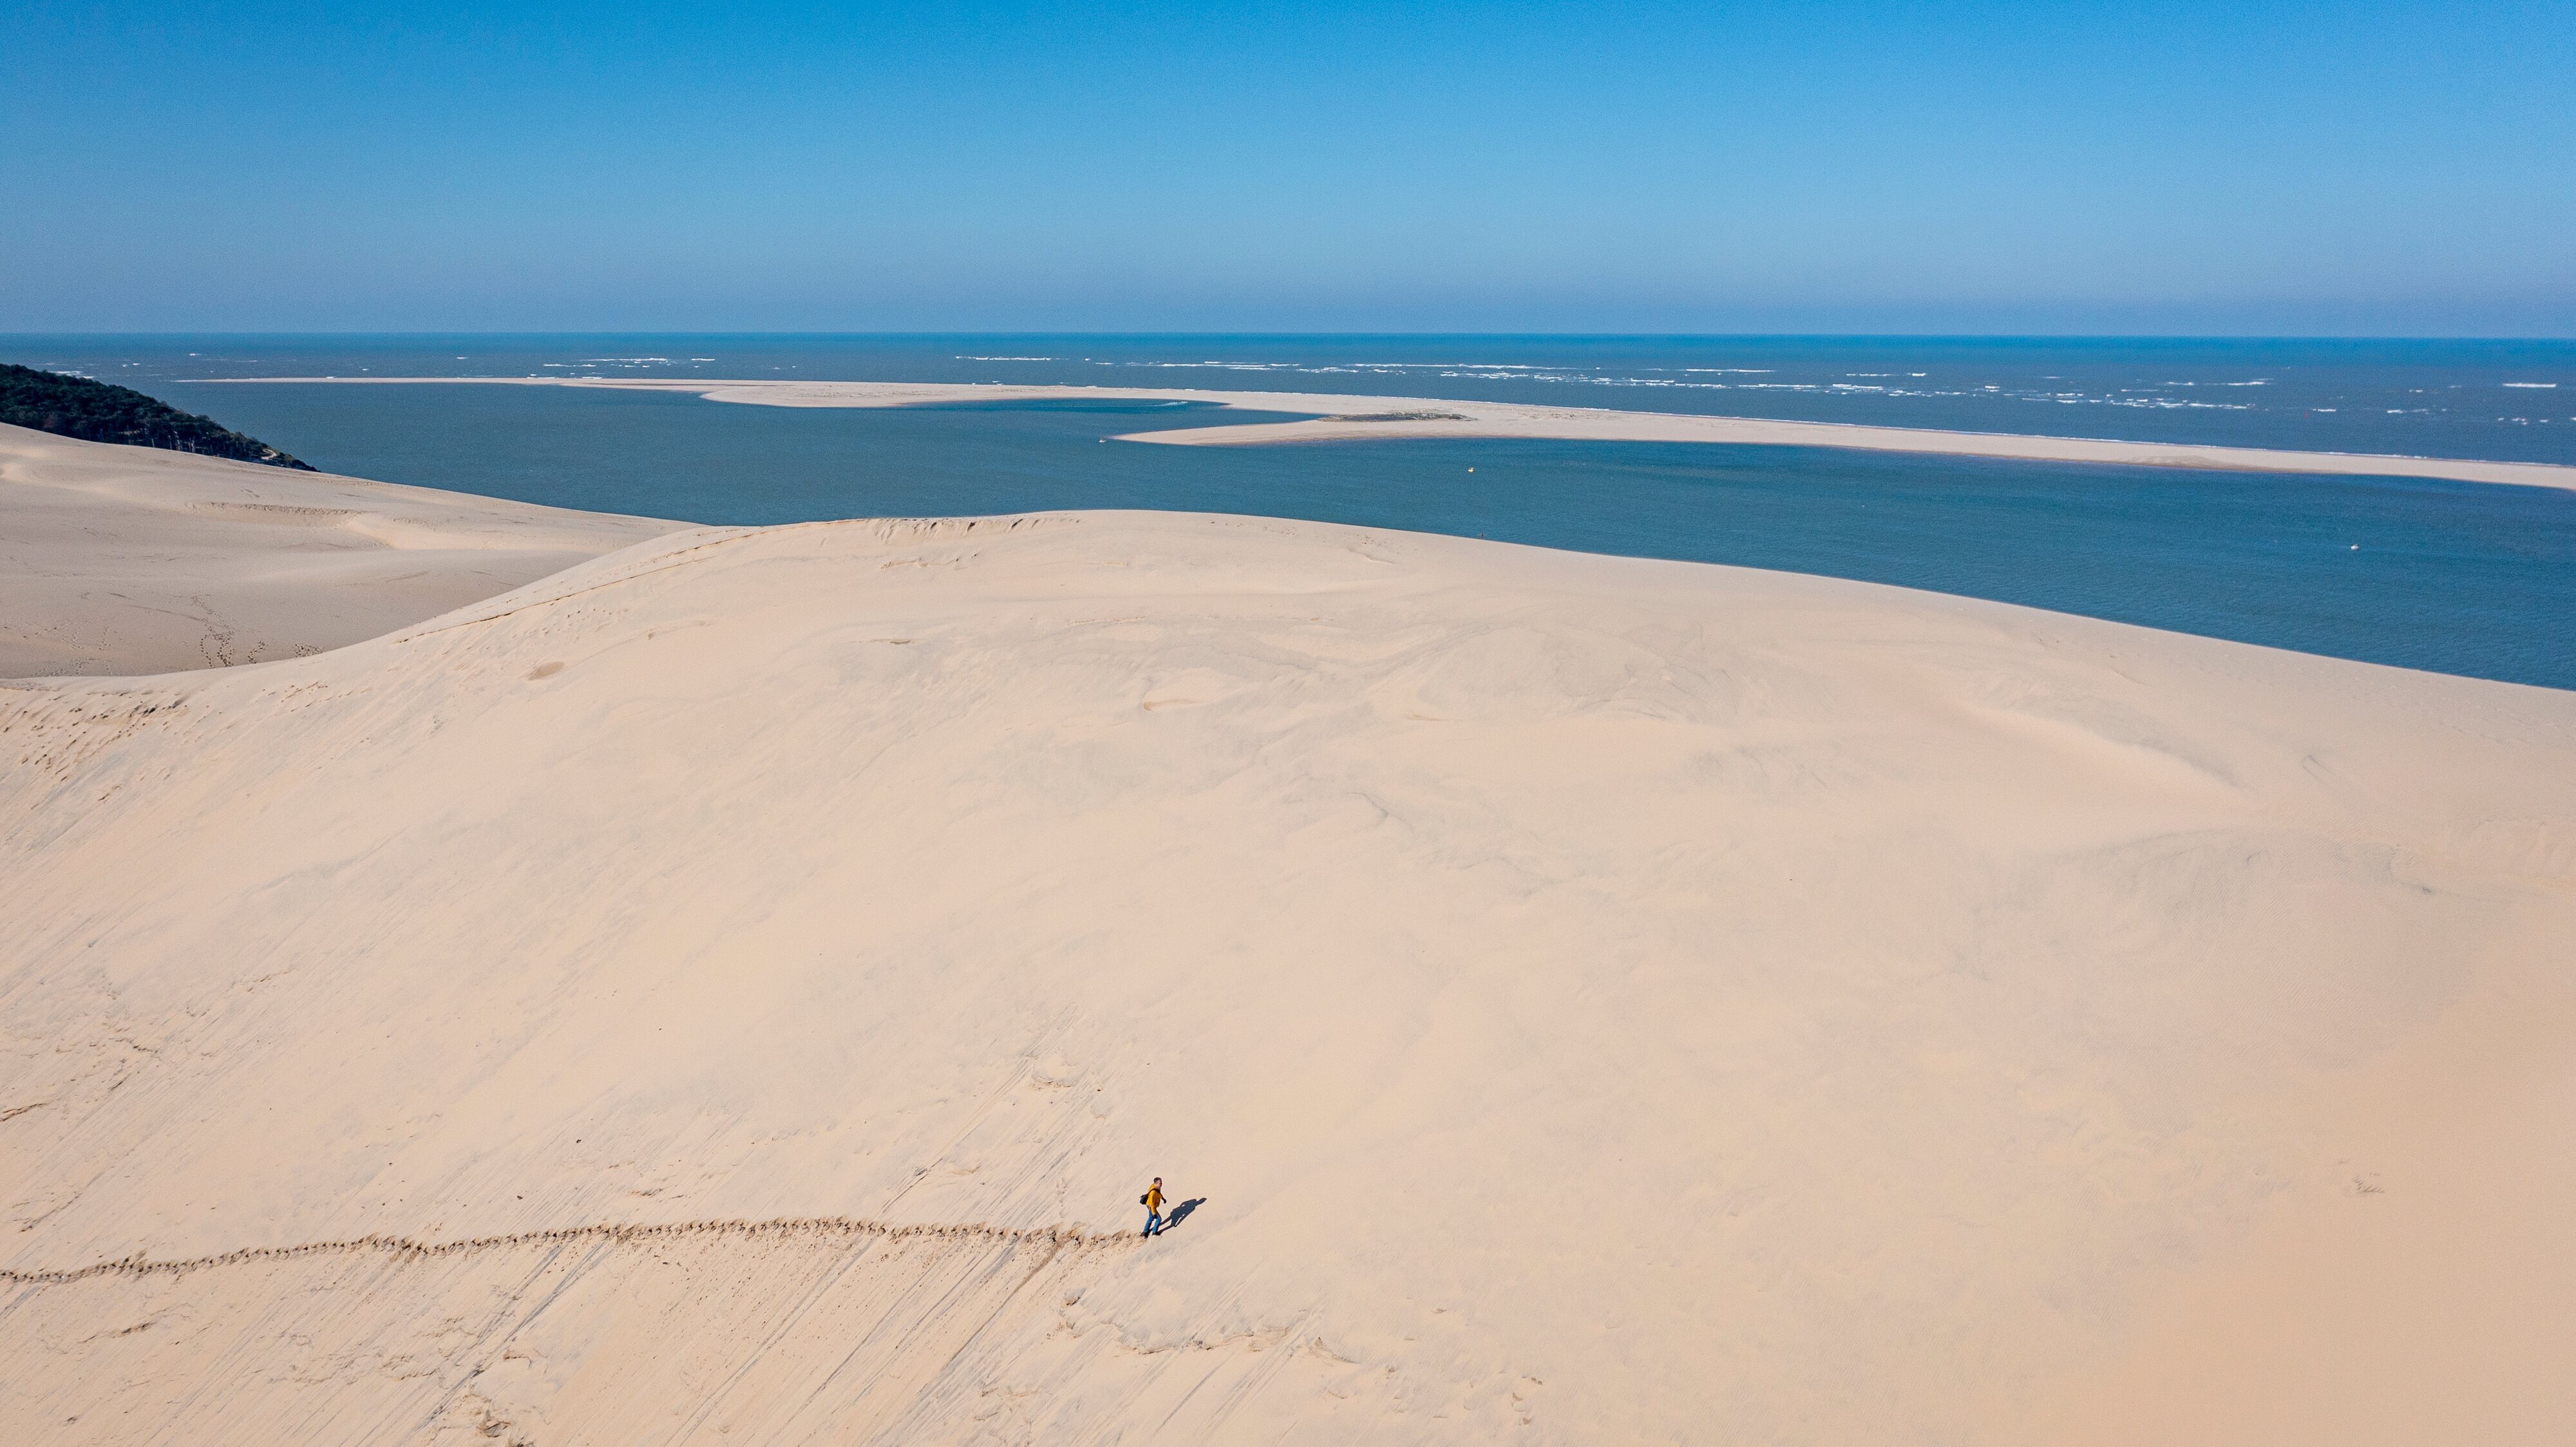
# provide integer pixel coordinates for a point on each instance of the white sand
(137, 560)
(1596, 1000)
(1349, 418)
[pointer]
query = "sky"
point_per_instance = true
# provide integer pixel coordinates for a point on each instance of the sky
(2253, 168)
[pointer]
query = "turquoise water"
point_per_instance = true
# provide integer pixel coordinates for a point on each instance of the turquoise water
(2453, 577)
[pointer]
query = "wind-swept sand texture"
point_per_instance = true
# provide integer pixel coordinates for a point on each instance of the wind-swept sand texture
(137, 560)
(736, 989)
(1365, 419)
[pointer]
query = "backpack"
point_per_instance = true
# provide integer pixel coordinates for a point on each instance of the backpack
(1140, 1200)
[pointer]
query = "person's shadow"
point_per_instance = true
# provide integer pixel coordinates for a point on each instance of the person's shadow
(1181, 1213)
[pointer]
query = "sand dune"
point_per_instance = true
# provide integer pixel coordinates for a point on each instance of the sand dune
(736, 988)
(1347, 418)
(122, 560)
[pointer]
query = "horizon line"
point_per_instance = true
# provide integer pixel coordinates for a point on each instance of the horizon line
(1905, 336)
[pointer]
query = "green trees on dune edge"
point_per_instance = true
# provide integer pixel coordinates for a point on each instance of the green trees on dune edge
(100, 412)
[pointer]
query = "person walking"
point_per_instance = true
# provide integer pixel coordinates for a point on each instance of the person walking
(1152, 1201)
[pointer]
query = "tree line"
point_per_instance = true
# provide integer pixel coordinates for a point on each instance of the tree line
(70, 406)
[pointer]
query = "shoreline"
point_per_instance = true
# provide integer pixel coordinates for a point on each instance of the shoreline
(1340, 417)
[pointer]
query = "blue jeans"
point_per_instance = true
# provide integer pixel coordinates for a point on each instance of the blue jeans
(1153, 1222)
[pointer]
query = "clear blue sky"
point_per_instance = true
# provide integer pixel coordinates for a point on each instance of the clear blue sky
(2249, 168)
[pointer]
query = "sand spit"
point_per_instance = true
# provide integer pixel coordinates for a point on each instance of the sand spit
(127, 560)
(1347, 418)
(735, 989)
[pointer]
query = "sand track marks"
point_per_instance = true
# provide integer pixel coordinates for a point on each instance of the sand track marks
(621, 1232)
(814, 1329)
(792, 1330)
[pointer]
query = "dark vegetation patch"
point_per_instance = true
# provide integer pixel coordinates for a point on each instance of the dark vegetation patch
(69, 406)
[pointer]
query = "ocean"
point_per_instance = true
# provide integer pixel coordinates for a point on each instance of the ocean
(2453, 577)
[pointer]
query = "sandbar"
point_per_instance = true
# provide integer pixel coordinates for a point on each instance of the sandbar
(1345, 418)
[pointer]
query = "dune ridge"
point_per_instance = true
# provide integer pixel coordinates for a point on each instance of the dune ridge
(119, 560)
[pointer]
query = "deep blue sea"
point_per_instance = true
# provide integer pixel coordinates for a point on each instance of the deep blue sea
(2454, 577)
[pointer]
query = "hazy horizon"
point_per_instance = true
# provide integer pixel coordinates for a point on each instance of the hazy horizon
(2377, 170)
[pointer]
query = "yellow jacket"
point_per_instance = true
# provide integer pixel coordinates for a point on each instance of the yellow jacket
(1153, 1198)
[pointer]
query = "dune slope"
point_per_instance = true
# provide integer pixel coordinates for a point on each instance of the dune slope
(124, 560)
(737, 988)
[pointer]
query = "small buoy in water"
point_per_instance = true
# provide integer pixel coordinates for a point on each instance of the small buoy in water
(2356, 547)
(1471, 469)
